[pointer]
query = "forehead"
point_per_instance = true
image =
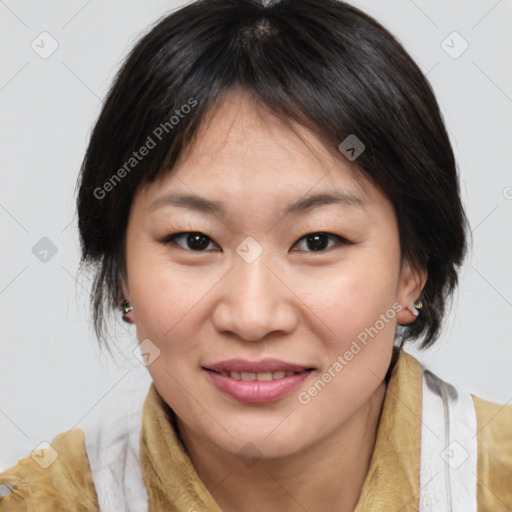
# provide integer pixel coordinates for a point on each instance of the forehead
(238, 127)
(242, 150)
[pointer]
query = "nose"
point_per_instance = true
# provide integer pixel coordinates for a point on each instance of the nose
(255, 301)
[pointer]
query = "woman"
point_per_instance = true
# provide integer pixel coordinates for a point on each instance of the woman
(271, 197)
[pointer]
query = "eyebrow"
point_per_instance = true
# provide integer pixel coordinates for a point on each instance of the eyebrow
(202, 204)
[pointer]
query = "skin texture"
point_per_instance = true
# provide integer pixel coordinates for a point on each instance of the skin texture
(292, 303)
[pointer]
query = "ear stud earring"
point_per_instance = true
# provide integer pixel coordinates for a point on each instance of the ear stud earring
(126, 307)
(417, 305)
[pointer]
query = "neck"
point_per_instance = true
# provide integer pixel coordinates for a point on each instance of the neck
(327, 476)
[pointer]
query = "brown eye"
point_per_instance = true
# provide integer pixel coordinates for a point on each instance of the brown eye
(193, 241)
(318, 242)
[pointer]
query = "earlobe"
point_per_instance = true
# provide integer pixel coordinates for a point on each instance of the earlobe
(410, 311)
(412, 282)
(127, 311)
(126, 306)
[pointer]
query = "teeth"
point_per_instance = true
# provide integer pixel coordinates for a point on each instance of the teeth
(262, 376)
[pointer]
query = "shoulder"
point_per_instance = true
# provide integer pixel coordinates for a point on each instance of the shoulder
(494, 435)
(477, 432)
(54, 478)
(113, 450)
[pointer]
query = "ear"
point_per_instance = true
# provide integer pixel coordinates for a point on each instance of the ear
(410, 286)
(124, 285)
(129, 317)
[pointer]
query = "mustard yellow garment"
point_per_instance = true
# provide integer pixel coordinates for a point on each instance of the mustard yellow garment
(392, 483)
(66, 485)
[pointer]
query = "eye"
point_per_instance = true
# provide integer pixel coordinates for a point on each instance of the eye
(193, 240)
(319, 241)
(198, 242)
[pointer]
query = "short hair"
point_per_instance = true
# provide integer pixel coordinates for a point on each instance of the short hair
(322, 63)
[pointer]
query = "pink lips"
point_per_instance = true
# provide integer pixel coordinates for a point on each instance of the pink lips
(255, 391)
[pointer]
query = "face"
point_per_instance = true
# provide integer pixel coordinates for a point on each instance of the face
(319, 286)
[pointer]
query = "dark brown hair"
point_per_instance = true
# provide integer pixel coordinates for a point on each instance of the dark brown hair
(322, 63)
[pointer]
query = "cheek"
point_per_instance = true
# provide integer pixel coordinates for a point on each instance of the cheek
(356, 324)
(162, 294)
(352, 296)
(172, 304)
(164, 305)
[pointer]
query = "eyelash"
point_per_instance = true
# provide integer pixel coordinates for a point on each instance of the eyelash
(170, 239)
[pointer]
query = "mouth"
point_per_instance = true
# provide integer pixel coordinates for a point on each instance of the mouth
(259, 376)
(258, 386)
(263, 370)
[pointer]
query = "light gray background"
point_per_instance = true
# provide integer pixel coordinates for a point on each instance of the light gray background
(52, 375)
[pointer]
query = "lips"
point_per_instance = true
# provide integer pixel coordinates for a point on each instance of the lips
(263, 366)
(257, 381)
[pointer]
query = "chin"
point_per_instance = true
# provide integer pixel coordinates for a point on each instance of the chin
(252, 448)
(262, 439)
